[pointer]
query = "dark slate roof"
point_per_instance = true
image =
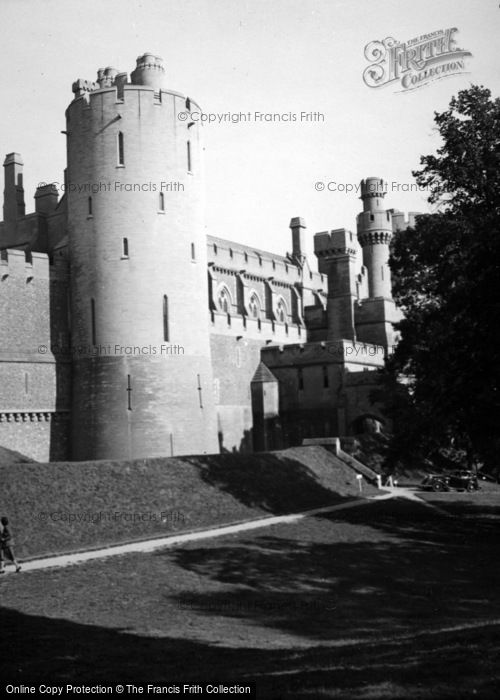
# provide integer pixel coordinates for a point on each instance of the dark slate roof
(263, 374)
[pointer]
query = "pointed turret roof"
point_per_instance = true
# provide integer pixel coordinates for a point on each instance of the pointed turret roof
(263, 374)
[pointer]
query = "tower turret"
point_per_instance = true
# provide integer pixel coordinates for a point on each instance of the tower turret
(374, 225)
(336, 253)
(106, 76)
(149, 71)
(141, 358)
(376, 315)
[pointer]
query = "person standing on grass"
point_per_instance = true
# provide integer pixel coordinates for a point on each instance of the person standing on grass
(6, 544)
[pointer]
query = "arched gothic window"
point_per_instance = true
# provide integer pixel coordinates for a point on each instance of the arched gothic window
(281, 312)
(224, 300)
(254, 306)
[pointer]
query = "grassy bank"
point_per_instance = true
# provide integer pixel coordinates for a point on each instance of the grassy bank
(70, 506)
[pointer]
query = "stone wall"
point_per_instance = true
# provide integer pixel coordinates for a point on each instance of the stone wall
(33, 402)
(318, 397)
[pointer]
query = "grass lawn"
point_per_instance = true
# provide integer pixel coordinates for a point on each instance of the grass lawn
(70, 506)
(478, 505)
(386, 600)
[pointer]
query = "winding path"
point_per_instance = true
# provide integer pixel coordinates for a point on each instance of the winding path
(220, 531)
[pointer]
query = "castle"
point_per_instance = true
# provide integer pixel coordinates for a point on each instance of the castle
(126, 332)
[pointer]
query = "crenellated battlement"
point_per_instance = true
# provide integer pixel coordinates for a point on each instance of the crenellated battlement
(400, 223)
(128, 93)
(23, 264)
(80, 87)
(373, 191)
(339, 241)
(149, 71)
(148, 77)
(118, 93)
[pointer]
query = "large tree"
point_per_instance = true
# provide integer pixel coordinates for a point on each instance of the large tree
(446, 275)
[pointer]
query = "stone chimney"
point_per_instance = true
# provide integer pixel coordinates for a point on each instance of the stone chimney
(13, 207)
(46, 197)
(298, 226)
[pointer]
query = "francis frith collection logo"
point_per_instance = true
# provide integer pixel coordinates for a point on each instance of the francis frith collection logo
(416, 62)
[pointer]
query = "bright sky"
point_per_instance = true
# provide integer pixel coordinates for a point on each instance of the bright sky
(284, 56)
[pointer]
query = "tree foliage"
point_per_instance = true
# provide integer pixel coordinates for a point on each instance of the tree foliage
(446, 273)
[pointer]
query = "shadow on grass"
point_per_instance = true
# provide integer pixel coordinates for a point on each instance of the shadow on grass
(400, 605)
(476, 506)
(408, 567)
(441, 665)
(387, 600)
(271, 481)
(417, 523)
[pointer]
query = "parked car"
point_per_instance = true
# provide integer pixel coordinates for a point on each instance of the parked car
(435, 482)
(460, 480)
(463, 479)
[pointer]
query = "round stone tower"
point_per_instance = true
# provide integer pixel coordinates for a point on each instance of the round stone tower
(374, 234)
(142, 379)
